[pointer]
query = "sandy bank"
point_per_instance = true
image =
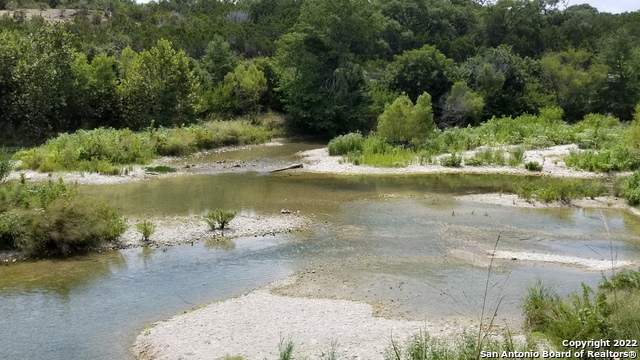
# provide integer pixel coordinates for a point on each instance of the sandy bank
(319, 161)
(254, 324)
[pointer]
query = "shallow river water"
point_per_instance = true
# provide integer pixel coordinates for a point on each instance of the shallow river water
(402, 243)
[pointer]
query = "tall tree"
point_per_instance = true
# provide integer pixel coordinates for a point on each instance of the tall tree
(159, 87)
(321, 79)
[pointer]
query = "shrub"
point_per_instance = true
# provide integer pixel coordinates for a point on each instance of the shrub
(631, 190)
(533, 166)
(453, 160)
(39, 218)
(403, 123)
(218, 219)
(344, 144)
(5, 165)
(146, 228)
(516, 156)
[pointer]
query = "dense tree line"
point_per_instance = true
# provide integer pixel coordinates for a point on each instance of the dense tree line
(331, 66)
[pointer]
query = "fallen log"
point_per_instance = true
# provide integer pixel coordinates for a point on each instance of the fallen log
(294, 166)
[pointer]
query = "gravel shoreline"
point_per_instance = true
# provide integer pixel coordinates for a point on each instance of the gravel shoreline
(253, 325)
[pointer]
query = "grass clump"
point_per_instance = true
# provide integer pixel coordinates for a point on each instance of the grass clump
(533, 166)
(377, 152)
(453, 160)
(563, 190)
(146, 228)
(219, 219)
(631, 189)
(51, 218)
(516, 156)
(462, 347)
(344, 144)
(610, 312)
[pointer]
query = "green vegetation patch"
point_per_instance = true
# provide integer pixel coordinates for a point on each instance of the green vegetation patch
(161, 169)
(610, 312)
(106, 150)
(51, 218)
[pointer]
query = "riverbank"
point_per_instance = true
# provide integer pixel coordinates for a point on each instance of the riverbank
(137, 173)
(551, 159)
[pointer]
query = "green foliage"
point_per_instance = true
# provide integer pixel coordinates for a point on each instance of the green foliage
(554, 189)
(453, 160)
(516, 156)
(41, 218)
(146, 229)
(158, 87)
(631, 190)
(218, 219)
(612, 312)
(462, 346)
(344, 144)
(404, 123)
(100, 150)
(5, 164)
(219, 59)
(624, 280)
(533, 166)
(240, 91)
(106, 150)
(486, 156)
(377, 152)
(463, 106)
(422, 70)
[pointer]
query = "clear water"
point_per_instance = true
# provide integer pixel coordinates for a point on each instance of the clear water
(403, 243)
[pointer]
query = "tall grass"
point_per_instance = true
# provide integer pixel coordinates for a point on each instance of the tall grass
(590, 314)
(607, 145)
(106, 150)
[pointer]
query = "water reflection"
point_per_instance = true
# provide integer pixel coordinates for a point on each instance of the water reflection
(59, 276)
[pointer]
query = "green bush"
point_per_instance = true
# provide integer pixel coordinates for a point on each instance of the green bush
(403, 123)
(533, 166)
(631, 190)
(453, 160)
(42, 218)
(146, 228)
(218, 219)
(516, 156)
(344, 144)
(5, 164)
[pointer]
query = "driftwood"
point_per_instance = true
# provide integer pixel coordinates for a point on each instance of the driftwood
(294, 166)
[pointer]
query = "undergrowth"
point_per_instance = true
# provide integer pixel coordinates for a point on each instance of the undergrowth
(52, 218)
(106, 150)
(612, 311)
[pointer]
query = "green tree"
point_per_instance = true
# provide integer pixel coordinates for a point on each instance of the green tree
(41, 104)
(417, 71)
(572, 80)
(321, 80)
(9, 50)
(95, 100)
(501, 77)
(219, 59)
(240, 92)
(158, 86)
(463, 106)
(404, 123)
(621, 91)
